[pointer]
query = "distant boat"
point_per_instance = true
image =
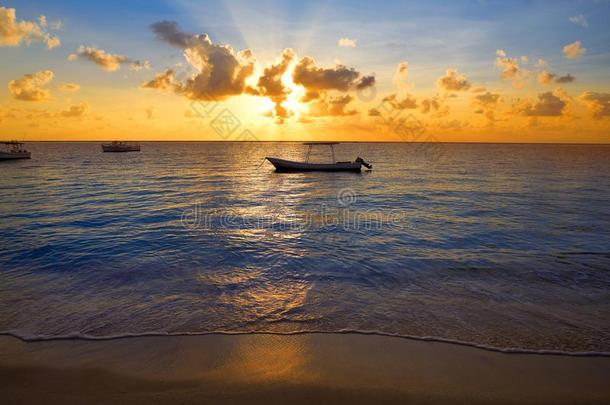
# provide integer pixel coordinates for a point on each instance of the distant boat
(14, 150)
(282, 165)
(117, 146)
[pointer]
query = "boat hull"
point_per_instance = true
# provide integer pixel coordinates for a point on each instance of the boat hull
(15, 155)
(117, 149)
(282, 165)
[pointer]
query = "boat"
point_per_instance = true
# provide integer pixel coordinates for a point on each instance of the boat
(283, 165)
(118, 146)
(14, 150)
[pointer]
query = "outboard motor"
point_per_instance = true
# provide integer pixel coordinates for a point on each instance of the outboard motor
(367, 165)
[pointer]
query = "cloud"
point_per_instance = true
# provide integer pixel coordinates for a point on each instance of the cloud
(137, 65)
(486, 103)
(434, 105)
(69, 87)
(221, 71)
(598, 104)
(408, 103)
(548, 105)
(546, 77)
(373, 112)
(270, 84)
(13, 32)
(161, 81)
(347, 43)
(510, 69)
(75, 111)
(579, 20)
(331, 106)
(486, 100)
(150, 113)
(541, 63)
(340, 78)
(30, 86)
(574, 50)
(565, 79)
(453, 81)
(401, 74)
(107, 61)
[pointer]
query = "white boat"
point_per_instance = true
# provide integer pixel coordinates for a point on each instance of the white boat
(14, 150)
(283, 165)
(118, 146)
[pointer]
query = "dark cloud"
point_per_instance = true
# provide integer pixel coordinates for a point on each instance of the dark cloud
(565, 79)
(340, 78)
(169, 32)
(486, 99)
(221, 71)
(548, 105)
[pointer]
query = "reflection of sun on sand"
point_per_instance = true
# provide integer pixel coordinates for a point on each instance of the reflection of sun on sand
(267, 359)
(298, 369)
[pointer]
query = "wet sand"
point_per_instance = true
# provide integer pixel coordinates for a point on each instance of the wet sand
(335, 368)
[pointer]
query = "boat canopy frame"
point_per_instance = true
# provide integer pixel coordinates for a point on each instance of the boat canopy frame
(329, 144)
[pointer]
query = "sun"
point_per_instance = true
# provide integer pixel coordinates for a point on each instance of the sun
(293, 102)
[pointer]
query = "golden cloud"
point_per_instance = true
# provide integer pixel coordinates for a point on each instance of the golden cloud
(75, 111)
(486, 103)
(31, 86)
(331, 106)
(453, 81)
(408, 103)
(107, 61)
(13, 32)
(347, 43)
(69, 87)
(161, 81)
(574, 50)
(597, 103)
(486, 100)
(401, 74)
(435, 106)
(510, 69)
(546, 77)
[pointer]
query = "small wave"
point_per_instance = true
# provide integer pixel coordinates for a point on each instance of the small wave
(505, 350)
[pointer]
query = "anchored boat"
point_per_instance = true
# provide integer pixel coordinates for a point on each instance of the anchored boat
(283, 165)
(14, 150)
(117, 146)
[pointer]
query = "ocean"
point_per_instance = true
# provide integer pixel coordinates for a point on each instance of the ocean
(501, 246)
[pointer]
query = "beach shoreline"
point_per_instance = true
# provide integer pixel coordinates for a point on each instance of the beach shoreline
(252, 368)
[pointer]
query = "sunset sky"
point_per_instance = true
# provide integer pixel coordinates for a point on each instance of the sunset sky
(464, 71)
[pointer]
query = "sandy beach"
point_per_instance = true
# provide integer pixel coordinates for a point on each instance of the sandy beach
(335, 368)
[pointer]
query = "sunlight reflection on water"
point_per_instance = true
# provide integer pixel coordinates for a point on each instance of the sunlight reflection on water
(500, 245)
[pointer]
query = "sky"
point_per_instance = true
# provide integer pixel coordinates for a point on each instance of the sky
(450, 71)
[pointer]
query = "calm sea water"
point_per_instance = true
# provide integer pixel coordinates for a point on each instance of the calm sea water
(505, 246)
